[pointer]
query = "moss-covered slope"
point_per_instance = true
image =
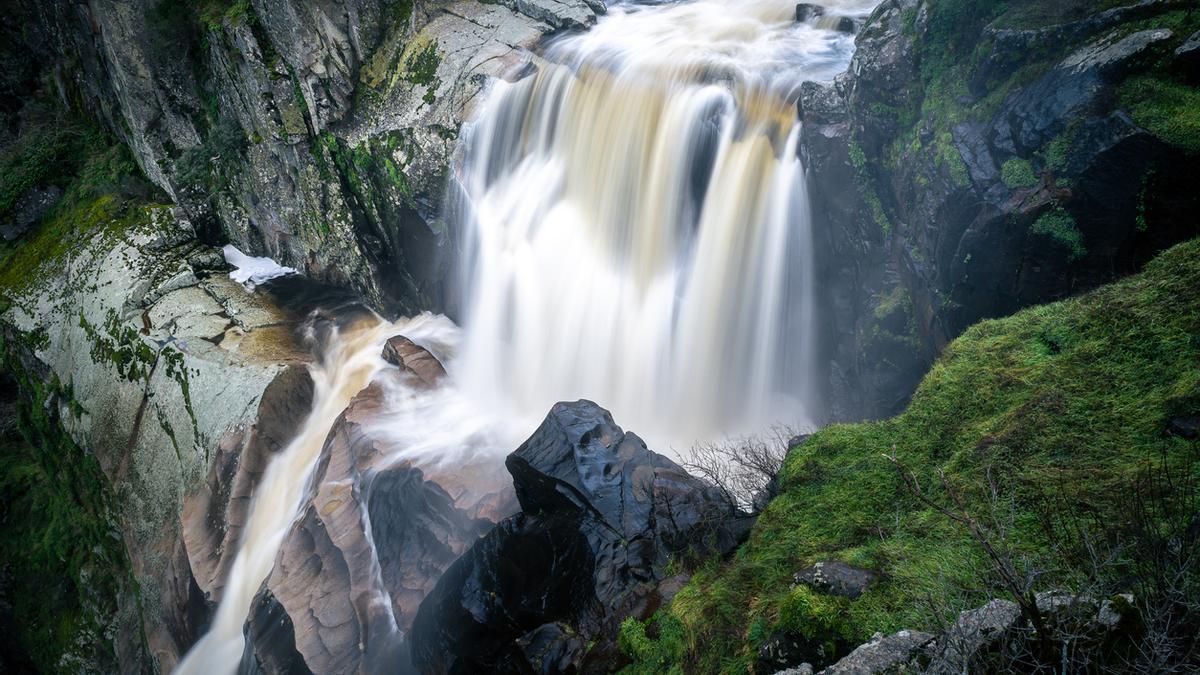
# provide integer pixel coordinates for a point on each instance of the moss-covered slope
(1004, 155)
(1063, 408)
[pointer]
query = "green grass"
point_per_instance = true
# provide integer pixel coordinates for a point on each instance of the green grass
(1018, 173)
(1060, 226)
(1166, 108)
(1063, 405)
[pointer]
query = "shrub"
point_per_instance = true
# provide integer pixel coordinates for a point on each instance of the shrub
(1018, 173)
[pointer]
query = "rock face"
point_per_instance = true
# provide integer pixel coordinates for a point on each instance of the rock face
(373, 538)
(836, 578)
(546, 590)
(1047, 188)
(896, 653)
(318, 133)
(166, 371)
(975, 631)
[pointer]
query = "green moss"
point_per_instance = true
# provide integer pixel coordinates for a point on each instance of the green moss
(951, 160)
(421, 68)
(866, 188)
(214, 13)
(1058, 150)
(1061, 407)
(1018, 173)
(119, 345)
(58, 537)
(1167, 108)
(1060, 226)
(858, 159)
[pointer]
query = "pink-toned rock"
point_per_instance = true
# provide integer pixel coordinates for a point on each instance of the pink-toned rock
(414, 360)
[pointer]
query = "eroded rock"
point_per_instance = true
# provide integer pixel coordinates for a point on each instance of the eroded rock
(896, 653)
(414, 360)
(975, 631)
(373, 538)
(600, 516)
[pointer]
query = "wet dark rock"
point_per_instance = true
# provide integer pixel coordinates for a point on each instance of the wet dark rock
(601, 515)
(1187, 56)
(1184, 427)
(843, 24)
(270, 640)
(899, 652)
(836, 578)
(785, 650)
(806, 11)
(1042, 109)
(414, 360)
(551, 648)
(30, 209)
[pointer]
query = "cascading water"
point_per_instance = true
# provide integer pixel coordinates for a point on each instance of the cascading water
(636, 231)
(636, 223)
(350, 359)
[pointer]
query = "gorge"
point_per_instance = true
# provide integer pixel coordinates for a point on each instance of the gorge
(711, 219)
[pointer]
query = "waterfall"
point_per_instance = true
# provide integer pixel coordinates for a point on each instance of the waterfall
(636, 230)
(350, 359)
(636, 226)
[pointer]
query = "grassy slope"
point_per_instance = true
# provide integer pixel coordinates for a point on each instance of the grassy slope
(1064, 404)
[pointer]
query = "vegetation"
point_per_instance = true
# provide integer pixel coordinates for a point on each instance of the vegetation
(953, 48)
(1043, 423)
(1167, 108)
(99, 177)
(50, 150)
(1060, 226)
(59, 541)
(1018, 173)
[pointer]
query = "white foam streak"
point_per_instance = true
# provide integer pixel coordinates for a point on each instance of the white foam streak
(347, 366)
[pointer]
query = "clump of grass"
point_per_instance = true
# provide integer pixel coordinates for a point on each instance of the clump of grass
(1061, 227)
(1018, 173)
(1062, 406)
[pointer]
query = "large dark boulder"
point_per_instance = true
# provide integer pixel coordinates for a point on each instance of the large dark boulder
(601, 516)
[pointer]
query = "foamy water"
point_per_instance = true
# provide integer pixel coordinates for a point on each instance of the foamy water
(637, 232)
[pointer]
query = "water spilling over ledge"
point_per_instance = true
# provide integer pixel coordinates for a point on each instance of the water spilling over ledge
(636, 231)
(636, 223)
